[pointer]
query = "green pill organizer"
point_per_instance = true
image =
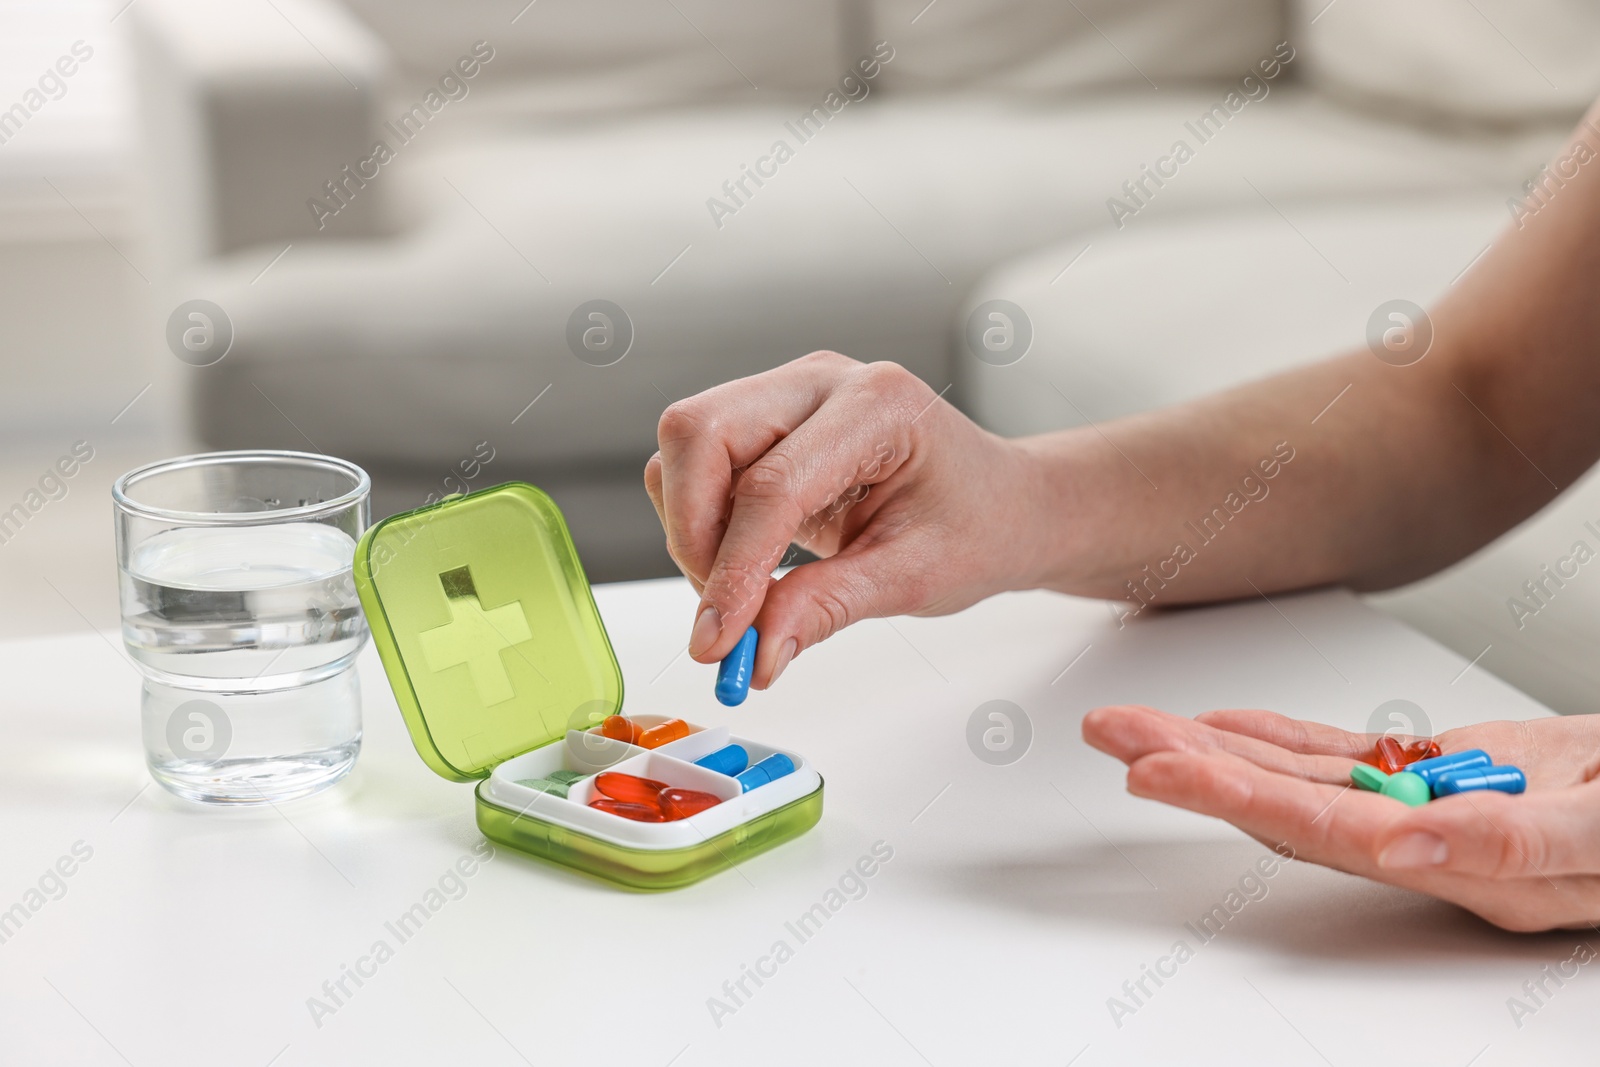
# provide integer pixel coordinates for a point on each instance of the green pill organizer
(500, 663)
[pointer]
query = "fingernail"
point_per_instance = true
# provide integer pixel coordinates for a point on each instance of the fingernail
(707, 625)
(1417, 849)
(785, 654)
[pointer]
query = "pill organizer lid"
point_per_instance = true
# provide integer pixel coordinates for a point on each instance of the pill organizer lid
(486, 626)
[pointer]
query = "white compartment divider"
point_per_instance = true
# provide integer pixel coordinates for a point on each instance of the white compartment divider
(587, 752)
(697, 744)
(668, 770)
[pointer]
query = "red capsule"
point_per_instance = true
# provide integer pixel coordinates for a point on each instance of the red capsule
(619, 729)
(1417, 751)
(656, 736)
(1393, 757)
(681, 803)
(636, 812)
(630, 788)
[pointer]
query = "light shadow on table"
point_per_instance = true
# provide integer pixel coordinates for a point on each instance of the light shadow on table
(1304, 911)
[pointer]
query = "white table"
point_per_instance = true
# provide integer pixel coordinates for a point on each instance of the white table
(1018, 900)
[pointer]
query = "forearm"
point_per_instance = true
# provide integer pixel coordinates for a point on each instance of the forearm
(1244, 491)
(1408, 470)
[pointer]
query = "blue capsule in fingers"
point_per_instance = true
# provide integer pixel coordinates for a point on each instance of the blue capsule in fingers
(733, 676)
(1500, 779)
(730, 760)
(770, 769)
(1429, 770)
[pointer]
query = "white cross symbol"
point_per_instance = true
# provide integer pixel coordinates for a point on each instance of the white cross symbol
(475, 637)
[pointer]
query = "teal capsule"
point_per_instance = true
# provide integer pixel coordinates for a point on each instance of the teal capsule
(1365, 776)
(1430, 769)
(545, 785)
(1407, 788)
(566, 777)
(1499, 779)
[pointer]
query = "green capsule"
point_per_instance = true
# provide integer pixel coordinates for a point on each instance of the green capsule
(1407, 788)
(568, 777)
(545, 785)
(1366, 776)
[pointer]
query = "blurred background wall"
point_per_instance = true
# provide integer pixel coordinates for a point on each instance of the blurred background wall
(75, 288)
(465, 242)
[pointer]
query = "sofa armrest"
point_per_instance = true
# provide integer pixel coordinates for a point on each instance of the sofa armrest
(248, 109)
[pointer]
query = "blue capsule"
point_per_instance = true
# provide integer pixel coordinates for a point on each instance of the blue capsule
(733, 675)
(1500, 779)
(730, 760)
(768, 770)
(1429, 770)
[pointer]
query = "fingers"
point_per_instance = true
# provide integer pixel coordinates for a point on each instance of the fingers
(1327, 824)
(707, 438)
(860, 436)
(816, 600)
(1522, 862)
(652, 488)
(1545, 834)
(1296, 735)
(1132, 732)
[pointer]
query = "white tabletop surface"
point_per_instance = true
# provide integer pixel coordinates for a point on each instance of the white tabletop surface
(1018, 900)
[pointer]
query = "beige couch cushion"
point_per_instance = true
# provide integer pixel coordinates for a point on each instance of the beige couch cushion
(559, 57)
(1052, 47)
(867, 241)
(1486, 60)
(1168, 311)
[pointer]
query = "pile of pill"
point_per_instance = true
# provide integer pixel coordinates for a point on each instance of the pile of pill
(734, 761)
(619, 728)
(1419, 779)
(731, 760)
(556, 783)
(1393, 757)
(647, 800)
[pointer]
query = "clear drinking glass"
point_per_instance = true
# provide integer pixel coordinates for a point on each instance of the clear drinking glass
(239, 608)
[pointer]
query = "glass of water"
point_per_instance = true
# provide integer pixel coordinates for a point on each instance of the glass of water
(239, 609)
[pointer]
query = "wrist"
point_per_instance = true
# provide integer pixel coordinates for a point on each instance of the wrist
(1046, 550)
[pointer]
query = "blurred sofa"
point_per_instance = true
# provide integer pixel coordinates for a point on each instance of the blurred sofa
(404, 310)
(1168, 309)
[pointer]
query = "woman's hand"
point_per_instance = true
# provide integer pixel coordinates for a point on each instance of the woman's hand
(913, 507)
(1528, 862)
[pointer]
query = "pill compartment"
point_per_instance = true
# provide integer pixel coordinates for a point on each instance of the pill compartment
(646, 722)
(500, 664)
(590, 755)
(578, 753)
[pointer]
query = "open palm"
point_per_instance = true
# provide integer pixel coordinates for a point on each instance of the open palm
(1528, 862)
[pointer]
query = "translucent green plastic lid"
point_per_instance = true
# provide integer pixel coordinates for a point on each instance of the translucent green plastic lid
(486, 626)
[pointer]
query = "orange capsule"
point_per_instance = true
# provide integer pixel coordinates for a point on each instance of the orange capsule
(681, 803)
(629, 788)
(1393, 757)
(1417, 751)
(619, 729)
(636, 812)
(656, 736)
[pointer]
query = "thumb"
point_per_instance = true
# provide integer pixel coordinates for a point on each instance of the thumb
(816, 600)
(1544, 834)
